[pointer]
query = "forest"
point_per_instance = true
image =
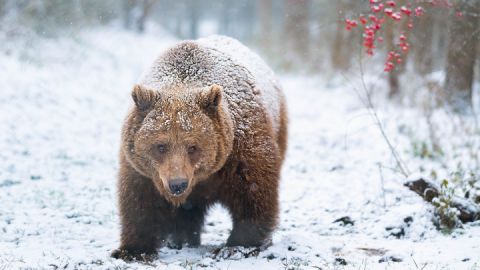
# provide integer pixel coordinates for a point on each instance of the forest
(382, 168)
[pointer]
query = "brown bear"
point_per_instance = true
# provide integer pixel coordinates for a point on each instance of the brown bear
(208, 125)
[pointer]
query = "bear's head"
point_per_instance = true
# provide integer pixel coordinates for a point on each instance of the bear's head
(178, 137)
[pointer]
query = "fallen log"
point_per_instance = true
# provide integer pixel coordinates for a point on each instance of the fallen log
(468, 211)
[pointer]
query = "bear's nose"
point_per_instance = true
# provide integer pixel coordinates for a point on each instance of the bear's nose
(177, 186)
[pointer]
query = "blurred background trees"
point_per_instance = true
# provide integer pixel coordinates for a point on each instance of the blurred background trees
(293, 35)
(462, 54)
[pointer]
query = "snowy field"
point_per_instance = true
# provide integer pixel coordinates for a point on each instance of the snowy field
(62, 104)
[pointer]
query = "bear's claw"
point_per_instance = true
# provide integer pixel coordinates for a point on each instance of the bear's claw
(130, 255)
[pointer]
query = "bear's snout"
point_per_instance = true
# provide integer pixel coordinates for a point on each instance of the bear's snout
(178, 185)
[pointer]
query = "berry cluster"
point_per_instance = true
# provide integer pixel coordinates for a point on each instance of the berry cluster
(382, 10)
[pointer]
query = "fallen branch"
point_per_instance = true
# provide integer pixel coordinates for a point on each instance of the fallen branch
(468, 211)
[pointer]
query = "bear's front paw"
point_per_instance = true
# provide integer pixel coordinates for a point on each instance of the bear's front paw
(237, 252)
(238, 240)
(131, 255)
(174, 245)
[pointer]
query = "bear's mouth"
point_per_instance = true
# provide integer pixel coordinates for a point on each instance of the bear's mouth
(177, 200)
(175, 195)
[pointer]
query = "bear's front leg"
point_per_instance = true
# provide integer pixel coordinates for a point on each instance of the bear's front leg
(253, 203)
(140, 212)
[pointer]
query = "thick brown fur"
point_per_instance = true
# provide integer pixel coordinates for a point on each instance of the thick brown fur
(198, 127)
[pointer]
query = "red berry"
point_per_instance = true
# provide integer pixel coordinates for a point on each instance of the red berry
(363, 20)
(406, 10)
(396, 16)
(376, 8)
(419, 11)
(389, 66)
(391, 3)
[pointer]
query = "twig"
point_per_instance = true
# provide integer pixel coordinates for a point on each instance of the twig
(382, 185)
(369, 104)
(416, 265)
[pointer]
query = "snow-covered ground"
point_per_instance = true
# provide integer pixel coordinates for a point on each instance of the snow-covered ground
(62, 102)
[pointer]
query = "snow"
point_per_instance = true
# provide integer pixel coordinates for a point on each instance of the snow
(62, 105)
(197, 64)
(264, 77)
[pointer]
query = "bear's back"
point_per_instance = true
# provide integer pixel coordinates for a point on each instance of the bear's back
(248, 83)
(266, 86)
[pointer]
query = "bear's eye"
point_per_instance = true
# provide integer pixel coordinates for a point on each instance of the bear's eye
(192, 149)
(162, 148)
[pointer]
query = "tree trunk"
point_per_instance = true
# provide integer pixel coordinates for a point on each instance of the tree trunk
(128, 6)
(226, 18)
(179, 19)
(194, 16)
(422, 43)
(297, 31)
(344, 41)
(248, 17)
(463, 39)
(2, 8)
(145, 8)
(338, 60)
(392, 40)
(439, 38)
(393, 82)
(265, 19)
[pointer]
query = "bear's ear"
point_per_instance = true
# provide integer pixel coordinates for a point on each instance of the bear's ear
(211, 98)
(144, 98)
